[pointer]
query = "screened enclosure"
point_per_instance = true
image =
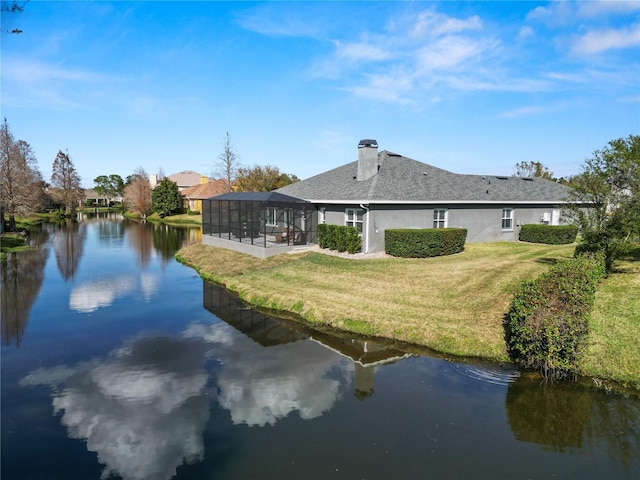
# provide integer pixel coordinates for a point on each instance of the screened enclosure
(263, 219)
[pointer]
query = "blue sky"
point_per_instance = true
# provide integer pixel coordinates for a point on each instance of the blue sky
(471, 87)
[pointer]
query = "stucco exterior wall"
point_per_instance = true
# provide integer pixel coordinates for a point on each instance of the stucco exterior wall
(483, 222)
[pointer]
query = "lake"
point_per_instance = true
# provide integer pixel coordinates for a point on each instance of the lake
(119, 362)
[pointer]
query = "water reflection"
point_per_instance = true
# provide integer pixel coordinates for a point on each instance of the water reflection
(91, 295)
(142, 410)
(564, 415)
(269, 331)
(167, 240)
(21, 278)
(140, 240)
(68, 245)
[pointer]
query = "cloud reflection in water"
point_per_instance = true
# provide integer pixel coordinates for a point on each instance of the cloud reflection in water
(144, 408)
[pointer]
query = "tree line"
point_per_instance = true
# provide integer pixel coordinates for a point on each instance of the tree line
(23, 191)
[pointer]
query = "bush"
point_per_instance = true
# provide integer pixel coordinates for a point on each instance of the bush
(549, 234)
(337, 237)
(426, 242)
(547, 323)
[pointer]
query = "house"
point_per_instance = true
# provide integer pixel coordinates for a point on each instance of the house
(94, 199)
(385, 190)
(192, 196)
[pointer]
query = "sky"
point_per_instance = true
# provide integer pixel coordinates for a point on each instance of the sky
(470, 87)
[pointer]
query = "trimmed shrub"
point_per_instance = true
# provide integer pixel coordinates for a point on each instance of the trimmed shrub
(547, 323)
(425, 242)
(338, 237)
(549, 234)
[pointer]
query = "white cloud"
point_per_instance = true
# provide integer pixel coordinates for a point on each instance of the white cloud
(599, 41)
(434, 24)
(525, 32)
(522, 112)
(361, 51)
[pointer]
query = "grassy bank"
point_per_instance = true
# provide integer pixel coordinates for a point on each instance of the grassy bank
(453, 304)
(614, 339)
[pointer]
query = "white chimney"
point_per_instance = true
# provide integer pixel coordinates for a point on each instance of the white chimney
(367, 159)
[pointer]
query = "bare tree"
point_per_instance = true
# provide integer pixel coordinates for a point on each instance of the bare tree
(137, 193)
(228, 163)
(65, 182)
(20, 179)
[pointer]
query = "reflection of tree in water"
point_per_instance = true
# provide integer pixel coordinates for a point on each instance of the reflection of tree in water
(168, 239)
(567, 415)
(111, 232)
(141, 242)
(21, 276)
(68, 245)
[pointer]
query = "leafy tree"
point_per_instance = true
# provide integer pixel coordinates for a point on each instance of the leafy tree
(137, 193)
(109, 186)
(262, 179)
(533, 169)
(166, 198)
(65, 182)
(609, 187)
(228, 163)
(20, 179)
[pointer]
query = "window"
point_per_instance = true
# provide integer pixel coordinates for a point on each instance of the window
(354, 218)
(507, 219)
(439, 218)
(271, 216)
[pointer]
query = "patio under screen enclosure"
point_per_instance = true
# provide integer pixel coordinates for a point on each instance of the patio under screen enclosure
(258, 223)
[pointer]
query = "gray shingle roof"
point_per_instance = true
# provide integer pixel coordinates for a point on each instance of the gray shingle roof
(404, 180)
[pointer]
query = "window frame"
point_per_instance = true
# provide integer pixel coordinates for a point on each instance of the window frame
(437, 220)
(507, 218)
(351, 218)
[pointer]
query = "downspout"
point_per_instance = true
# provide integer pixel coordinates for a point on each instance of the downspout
(366, 229)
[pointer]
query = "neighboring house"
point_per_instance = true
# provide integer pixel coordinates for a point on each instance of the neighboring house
(385, 190)
(184, 179)
(187, 179)
(97, 200)
(192, 196)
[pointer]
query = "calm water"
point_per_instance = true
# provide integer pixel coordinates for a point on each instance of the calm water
(118, 362)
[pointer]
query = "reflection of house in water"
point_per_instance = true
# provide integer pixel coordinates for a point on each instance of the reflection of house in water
(269, 331)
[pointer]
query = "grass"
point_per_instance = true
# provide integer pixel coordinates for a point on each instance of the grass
(453, 304)
(613, 351)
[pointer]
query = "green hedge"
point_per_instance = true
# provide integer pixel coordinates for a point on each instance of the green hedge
(425, 242)
(547, 323)
(549, 234)
(338, 237)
